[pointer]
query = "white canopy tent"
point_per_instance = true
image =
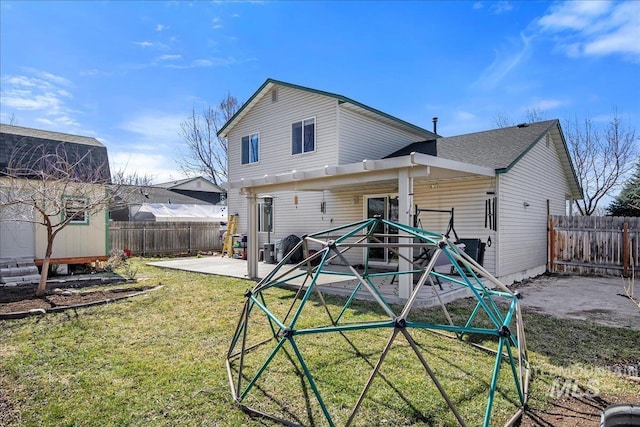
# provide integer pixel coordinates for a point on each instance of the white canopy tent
(165, 212)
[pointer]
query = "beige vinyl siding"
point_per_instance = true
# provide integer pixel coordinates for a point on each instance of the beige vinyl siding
(76, 240)
(363, 138)
(467, 198)
(272, 121)
(538, 176)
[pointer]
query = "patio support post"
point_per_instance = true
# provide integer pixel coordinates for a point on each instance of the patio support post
(405, 208)
(252, 235)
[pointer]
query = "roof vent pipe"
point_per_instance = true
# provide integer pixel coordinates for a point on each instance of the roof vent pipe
(435, 125)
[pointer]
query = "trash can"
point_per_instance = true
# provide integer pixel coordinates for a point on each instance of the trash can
(269, 253)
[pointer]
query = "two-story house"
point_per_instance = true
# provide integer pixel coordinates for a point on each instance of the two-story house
(328, 160)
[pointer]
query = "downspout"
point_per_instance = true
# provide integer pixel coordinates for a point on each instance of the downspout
(497, 231)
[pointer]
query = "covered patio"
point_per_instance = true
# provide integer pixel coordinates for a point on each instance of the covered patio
(333, 284)
(399, 172)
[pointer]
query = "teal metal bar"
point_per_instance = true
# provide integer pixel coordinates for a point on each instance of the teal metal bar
(307, 374)
(267, 312)
(342, 328)
(494, 382)
(262, 368)
(515, 373)
(457, 329)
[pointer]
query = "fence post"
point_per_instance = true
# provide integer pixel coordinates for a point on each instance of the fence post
(625, 249)
(189, 249)
(144, 239)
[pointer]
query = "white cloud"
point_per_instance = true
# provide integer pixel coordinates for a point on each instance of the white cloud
(500, 7)
(161, 128)
(143, 44)
(151, 146)
(595, 28)
(216, 24)
(506, 60)
(159, 167)
(42, 93)
(169, 57)
(464, 116)
(160, 27)
(547, 104)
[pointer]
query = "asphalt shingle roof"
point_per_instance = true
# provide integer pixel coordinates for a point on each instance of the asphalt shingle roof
(498, 149)
(25, 148)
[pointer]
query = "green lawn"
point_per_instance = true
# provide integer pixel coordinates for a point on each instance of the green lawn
(159, 360)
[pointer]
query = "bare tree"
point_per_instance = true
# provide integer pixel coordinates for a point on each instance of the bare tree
(601, 157)
(121, 177)
(502, 119)
(53, 187)
(206, 153)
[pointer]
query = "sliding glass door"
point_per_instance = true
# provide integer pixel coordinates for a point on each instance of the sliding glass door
(385, 207)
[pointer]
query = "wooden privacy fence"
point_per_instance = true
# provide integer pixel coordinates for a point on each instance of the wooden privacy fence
(594, 245)
(165, 238)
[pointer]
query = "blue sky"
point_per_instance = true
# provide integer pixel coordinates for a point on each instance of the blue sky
(128, 73)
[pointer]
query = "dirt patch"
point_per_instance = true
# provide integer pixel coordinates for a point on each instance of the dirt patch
(572, 412)
(66, 299)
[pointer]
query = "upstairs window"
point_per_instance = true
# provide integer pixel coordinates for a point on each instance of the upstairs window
(303, 136)
(76, 209)
(250, 148)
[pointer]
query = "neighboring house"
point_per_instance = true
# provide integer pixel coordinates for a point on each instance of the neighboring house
(84, 239)
(198, 187)
(162, 202)
(328, 160)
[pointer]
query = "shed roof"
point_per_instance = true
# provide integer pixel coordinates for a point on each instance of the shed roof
(24, 149)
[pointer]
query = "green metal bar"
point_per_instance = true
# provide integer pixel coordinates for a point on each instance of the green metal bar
(515, 373)
(494, 382)
(267, 312)
(475, 292)
(474, 313)
(457, 329)
(262, 368)
(349, 301)
(342, 328)
(306, 296)
(342, 227)
(273, 330)
(239, 327)
(307, 374)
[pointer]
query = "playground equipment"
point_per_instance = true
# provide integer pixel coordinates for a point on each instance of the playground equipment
(270, 328)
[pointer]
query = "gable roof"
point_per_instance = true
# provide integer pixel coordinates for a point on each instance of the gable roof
(26, 147)
(202, 184)
(342, 100)
(137, 195)
(502, 148)
(499, 149)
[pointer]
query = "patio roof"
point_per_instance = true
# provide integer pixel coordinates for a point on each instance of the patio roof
(368, 171)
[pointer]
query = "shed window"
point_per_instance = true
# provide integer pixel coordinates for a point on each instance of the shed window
(303, 136)
(76, 209)
(250, 148)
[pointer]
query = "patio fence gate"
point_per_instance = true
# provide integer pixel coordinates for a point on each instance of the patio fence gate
(594, 245)
(165, 238)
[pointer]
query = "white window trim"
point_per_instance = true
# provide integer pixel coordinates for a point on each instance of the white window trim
(315, 136)
(84, 220)
(249, 135)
